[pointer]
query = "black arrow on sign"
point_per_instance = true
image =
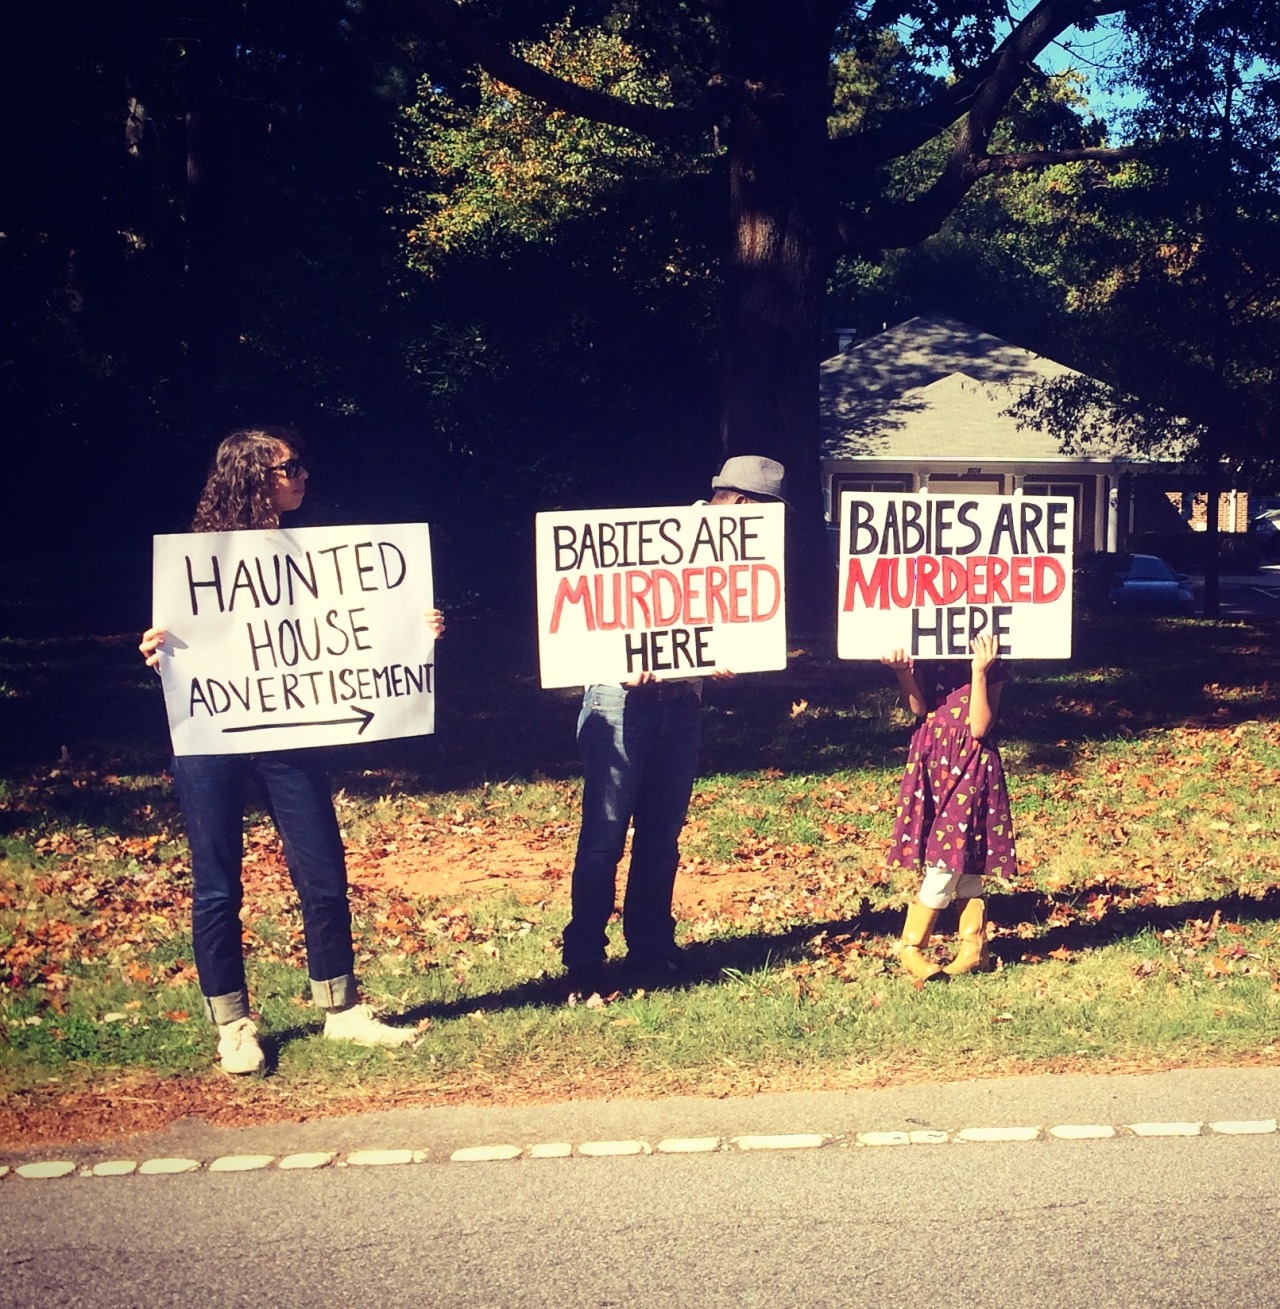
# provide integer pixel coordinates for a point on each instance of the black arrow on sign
(362, 716)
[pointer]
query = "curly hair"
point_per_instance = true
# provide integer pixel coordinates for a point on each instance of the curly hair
(238, 490)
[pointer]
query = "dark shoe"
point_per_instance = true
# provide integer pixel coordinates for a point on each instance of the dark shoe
(665, 969)
(579, 984)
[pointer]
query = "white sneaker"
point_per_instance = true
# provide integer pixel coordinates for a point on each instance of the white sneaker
(238, 1047)
(359, 1025)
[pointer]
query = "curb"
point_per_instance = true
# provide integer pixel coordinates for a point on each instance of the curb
(53, 1169)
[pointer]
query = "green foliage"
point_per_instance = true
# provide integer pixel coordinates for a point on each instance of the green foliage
(565, 348)
(508, 167)
(869, 83)
(567, 339)
(1019, 252)
(1177, 280)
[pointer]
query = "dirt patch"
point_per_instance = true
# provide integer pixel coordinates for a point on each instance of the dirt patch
(539, 872)
(82, 1116)
(453, 867)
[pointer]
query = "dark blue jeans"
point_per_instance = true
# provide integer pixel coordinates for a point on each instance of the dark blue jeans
(213, 790)
(639, 758)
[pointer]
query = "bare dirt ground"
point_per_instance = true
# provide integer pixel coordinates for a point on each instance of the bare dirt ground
(539, 871)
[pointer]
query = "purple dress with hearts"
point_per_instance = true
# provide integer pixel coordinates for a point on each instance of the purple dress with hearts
(953, 806)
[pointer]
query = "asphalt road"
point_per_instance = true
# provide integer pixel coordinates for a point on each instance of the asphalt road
(1254, 596)
(1130, 1220)
(1187, 1222)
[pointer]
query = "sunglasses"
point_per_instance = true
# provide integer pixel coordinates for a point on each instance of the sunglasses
(290, 467)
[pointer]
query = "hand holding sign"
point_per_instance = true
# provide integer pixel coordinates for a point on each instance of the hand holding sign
(986, 651)
(151, 644)
(899, 661)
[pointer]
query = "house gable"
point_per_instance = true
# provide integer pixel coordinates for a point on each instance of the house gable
(933, 388)
(927, 403)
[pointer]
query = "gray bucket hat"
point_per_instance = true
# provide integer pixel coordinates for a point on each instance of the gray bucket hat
(753, 475)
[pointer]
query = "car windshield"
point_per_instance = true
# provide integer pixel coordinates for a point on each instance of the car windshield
(1147, 568)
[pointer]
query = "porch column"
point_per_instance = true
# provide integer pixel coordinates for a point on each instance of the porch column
(1113, 516)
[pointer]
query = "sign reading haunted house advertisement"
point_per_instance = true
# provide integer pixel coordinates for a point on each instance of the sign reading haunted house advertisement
(282, 639)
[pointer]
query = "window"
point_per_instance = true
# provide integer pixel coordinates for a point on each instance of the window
(1064, 490)
(1073, 491)
(883, 482)
(974, 483)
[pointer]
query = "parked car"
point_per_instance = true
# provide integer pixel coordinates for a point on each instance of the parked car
(1150, 585)
(1265, 530)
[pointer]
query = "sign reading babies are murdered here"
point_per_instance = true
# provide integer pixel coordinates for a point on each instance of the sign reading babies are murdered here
(927, 573)
(676, 592)
(283, 639)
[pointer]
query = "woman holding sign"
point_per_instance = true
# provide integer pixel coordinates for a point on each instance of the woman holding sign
(953, 819)
(257, 474)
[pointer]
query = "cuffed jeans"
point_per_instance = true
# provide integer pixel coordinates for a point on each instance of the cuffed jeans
(639, 757)
(212, 790)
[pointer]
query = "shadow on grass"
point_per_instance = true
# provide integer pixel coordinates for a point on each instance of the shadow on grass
(1121, 924)
(710, 961)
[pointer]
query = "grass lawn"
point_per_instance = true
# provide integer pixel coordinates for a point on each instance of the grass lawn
(1142, 930)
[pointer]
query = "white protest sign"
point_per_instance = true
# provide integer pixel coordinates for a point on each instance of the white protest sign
(290, 638)
(927, 573)
(677, 592)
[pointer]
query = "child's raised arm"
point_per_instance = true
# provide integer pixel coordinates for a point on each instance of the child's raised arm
(905, 670)
(984, 700)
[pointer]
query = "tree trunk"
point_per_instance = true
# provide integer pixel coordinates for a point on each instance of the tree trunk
(209, 296)
(781, 251)
(1213, 535)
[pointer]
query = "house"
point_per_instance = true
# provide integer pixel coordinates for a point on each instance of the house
(924, 406)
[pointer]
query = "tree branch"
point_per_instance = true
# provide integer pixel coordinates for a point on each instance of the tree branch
(481, 47)
(906, 131)
(1018, 161)
(896, 227)
(979, 101)
(985, 89)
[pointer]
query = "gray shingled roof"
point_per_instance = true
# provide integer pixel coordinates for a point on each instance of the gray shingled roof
(935, 388)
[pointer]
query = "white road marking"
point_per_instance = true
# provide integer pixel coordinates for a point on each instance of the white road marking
(48, 1169)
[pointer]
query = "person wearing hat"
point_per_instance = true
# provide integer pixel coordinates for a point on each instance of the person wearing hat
(749, 479)
(639, 743)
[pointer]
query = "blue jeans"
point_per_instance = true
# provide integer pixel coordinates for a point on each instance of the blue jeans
(639, 757)
(212, 790)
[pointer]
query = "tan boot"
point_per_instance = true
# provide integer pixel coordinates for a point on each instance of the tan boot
(915, 934)
(973, 956)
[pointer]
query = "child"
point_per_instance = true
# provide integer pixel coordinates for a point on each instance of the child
(953, 820)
